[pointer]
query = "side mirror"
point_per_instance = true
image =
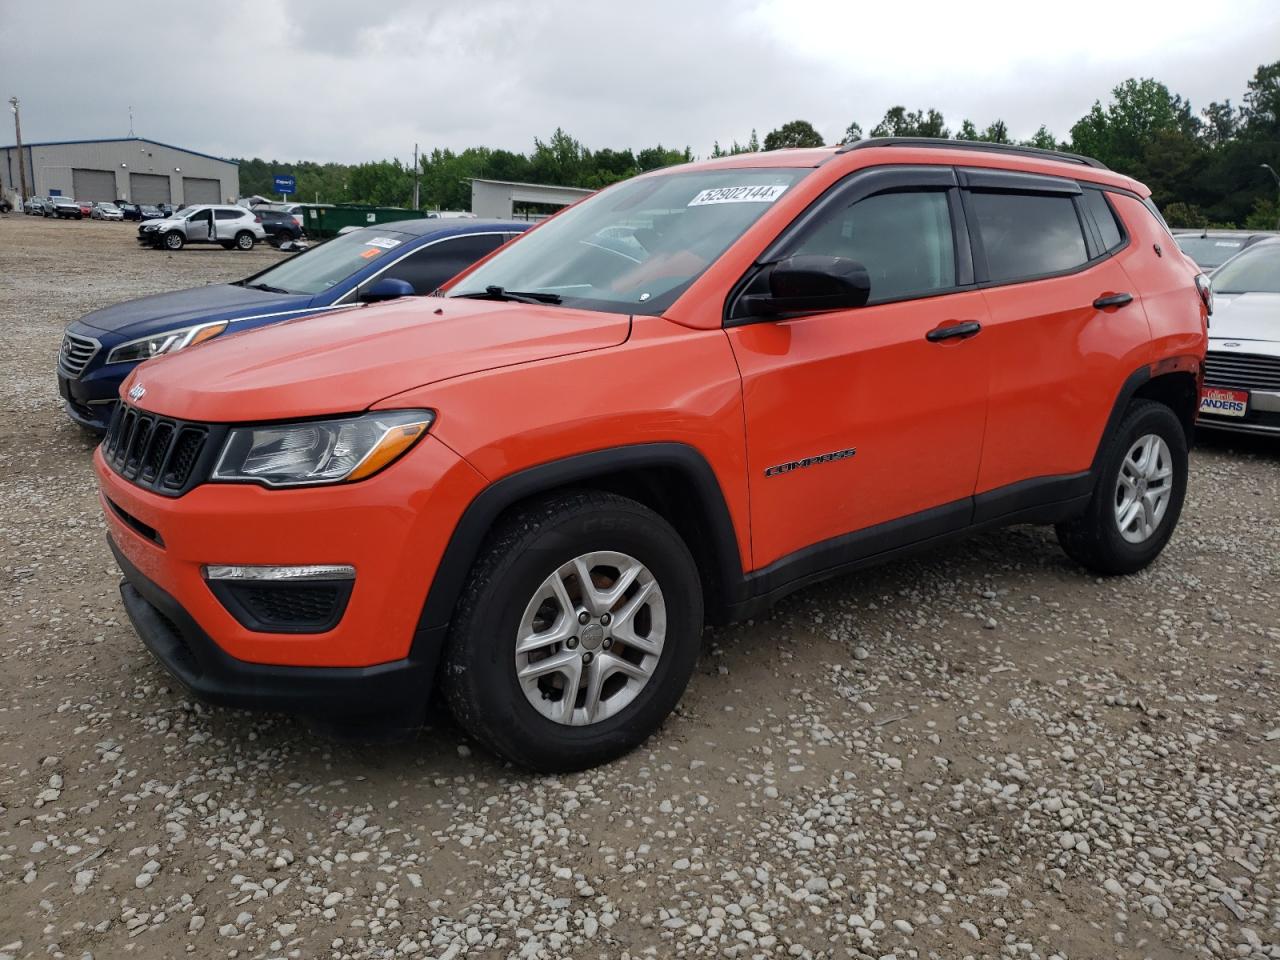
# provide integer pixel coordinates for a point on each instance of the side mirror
(387, 288)
(811, 283)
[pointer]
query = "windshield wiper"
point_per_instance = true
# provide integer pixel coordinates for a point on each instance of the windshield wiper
(495, 292)
(267, 287)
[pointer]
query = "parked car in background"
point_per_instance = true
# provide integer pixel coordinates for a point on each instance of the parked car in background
(86, 208)
(1210, 249)
(692, 392)
(65, 208)
(376, 263)
(1242, 368)
(231, 227)
(107, 211)
(150, 211)
(295, 210)
(34, 206)
(131, 211)
(280, 227)
(5, 205)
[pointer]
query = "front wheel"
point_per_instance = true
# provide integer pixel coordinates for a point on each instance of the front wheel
(1137, 497)
(576, 634)
(173, 240)
(244, 240)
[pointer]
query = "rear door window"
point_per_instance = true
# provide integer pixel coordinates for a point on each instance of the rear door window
(1027, 235)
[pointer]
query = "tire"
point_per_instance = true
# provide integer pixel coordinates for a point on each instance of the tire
(173, 240)
(518, 560)
(1150, 439)
(244, 240)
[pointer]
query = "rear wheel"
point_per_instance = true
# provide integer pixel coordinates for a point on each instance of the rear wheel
(1138, 495)
(576, 634)
(244, 240)
(173, 240)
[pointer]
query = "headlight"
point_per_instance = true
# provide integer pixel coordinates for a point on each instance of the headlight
(167, 342)
(319, 451)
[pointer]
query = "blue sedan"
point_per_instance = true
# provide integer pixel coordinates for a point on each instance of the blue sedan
(404, 258)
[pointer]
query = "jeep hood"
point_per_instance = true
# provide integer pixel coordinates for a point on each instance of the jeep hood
(1245, 316)
(346, 360)
(181, 308)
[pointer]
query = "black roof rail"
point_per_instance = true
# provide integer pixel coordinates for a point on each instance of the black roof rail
(973, 145)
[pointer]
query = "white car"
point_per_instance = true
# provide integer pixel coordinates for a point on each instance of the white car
(106, 211)
(231, 226)
(1242, 369)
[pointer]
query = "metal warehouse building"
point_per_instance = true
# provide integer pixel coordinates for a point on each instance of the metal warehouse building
(131, 168)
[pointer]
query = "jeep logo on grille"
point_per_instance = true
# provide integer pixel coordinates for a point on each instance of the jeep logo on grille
(136, 392)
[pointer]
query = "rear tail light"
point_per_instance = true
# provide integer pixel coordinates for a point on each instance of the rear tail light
(257, 219)
(1205, 288)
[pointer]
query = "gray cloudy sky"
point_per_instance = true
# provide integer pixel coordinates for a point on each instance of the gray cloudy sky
(351, 81)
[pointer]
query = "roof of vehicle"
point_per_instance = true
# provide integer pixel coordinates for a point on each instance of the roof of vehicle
(425, 226)
(928, 150)
(1190, 232)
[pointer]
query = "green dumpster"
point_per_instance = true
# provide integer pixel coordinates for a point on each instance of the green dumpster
(326, 221)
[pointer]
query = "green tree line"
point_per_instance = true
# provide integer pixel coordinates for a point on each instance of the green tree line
(1204, 168)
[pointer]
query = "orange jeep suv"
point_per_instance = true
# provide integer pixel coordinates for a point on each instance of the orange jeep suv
(675, 402)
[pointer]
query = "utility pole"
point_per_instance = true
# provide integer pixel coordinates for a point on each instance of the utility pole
(17, 131)
(1275, 176)
(415, 176)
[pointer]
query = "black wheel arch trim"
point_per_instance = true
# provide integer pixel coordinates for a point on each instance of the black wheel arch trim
(478, 519)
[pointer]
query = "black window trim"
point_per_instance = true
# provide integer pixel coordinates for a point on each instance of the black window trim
(857, 186)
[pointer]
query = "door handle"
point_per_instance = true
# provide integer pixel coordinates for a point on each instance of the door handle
(960, 331)
(1113, 300)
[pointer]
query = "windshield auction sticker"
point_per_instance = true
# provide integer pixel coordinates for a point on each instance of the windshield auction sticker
(761, 193)
(386, 243)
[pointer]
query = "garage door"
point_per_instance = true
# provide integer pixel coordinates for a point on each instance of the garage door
(200, 190)
(148, 188)
(94, 184)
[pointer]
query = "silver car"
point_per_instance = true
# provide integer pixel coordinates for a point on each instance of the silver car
(106, 211)
(1242, 368)
(232, 227)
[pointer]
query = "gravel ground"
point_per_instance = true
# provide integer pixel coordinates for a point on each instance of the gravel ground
(982, 753)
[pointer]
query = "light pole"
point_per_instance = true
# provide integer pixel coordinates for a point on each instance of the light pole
(1276, 177)
(17, 131)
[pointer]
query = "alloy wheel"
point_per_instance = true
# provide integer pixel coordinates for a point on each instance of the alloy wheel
(590, 638)
(1143, 488)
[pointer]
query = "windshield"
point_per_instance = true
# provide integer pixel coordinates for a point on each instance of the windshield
(333, 261)
(1210, 252)
(636, 247)
(1257, 270)
(110, 207)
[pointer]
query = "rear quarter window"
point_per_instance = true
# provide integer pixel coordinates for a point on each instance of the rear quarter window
(1026, 235)
(1105, 218)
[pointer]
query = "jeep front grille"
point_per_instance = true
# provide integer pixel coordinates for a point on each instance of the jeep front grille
(162, 454)
(75, 354)
(1246, 371)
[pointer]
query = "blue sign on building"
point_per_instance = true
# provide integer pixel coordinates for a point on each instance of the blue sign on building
(285, 184)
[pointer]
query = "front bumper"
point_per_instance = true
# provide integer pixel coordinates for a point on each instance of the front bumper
(397, 689)
(91, 399)
(393, 528)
